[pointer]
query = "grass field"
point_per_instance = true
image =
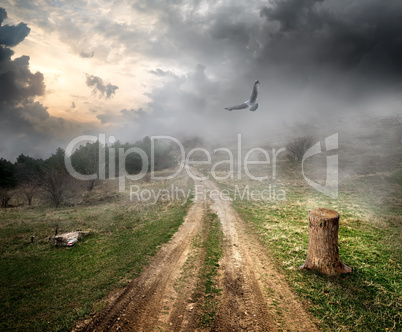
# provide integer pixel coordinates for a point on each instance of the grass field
(370, 298)
(213, 253)
(45, 288)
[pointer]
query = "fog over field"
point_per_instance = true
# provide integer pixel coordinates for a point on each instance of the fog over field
(170, 67)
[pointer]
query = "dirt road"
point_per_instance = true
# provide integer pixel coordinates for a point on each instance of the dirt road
(167, 295)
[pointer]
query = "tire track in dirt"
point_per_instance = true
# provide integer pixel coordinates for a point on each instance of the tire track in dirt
(149, 300)
(154, 308)
(254, 296)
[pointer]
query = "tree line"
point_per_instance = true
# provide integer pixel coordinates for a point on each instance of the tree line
(50, 178)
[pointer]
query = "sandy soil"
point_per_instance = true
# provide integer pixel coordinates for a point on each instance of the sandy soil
(255, 296)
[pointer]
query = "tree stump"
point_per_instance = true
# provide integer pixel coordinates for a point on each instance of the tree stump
(323, 252)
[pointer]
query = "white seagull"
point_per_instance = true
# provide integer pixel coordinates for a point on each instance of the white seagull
(251, 103)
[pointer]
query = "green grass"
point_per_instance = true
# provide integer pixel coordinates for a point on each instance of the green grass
(370, 298)
(45, 288)
(213, 244)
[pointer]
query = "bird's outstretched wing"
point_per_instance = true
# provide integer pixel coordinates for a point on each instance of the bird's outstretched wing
(237, 107)
(254, 94)
(254, 107)
(251, 103)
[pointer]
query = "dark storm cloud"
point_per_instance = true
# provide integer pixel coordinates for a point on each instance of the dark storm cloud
(5, 53)
(20, 113)
(186, 33)
(3, 15)
(18, 85)
(295, 14)
(337, 42)
(104, 89)
(25, 124)
(17, 82)
(236, 32)
(34, 112)
(13, 35)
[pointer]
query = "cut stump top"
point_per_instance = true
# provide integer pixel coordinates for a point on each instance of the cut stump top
(323, 213)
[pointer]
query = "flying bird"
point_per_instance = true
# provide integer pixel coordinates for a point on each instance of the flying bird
(251, 103)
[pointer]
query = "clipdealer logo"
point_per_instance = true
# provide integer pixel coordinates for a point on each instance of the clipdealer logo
(235, 169)
(331, 184)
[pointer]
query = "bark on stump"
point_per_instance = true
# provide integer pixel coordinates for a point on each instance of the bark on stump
(323, 252)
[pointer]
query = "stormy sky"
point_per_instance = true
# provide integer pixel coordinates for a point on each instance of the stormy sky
(169, 67)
